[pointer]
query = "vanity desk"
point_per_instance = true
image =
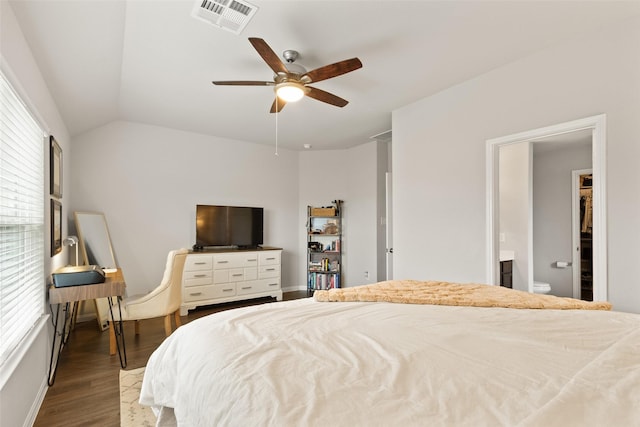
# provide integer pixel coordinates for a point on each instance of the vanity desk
(67, 299)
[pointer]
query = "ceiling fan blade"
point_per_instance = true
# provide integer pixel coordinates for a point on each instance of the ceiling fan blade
(268, 55)
(334, 70)
(277, 104)
(242, 83)
(327, 97)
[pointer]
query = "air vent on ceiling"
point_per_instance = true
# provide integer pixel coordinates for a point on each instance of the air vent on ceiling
(232, 15)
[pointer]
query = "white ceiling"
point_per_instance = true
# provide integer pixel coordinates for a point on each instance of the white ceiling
(152, 62)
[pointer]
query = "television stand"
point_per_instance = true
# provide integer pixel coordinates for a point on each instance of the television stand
(217, 275)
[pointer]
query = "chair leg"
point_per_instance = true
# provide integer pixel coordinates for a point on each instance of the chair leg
(137, 327)
(167, 325)
(176, 316)
(112, 339)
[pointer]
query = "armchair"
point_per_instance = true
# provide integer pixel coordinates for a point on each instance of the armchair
(163, 301)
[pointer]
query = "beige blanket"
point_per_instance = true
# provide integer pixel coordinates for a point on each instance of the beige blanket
(445, 293)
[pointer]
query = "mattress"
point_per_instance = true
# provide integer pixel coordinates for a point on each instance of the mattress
(310, 363)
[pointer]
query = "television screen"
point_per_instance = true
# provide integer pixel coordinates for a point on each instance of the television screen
(229, 226)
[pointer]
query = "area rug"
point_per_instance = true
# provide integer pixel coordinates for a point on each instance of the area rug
(132, 414)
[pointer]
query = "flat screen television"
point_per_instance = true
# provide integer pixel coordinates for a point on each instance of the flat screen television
(228, 226)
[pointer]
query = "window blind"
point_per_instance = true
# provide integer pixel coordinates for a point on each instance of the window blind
(21, 220)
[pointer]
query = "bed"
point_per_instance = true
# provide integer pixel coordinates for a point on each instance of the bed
(357, 357)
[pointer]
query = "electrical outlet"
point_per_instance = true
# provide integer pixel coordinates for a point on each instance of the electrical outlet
(366, 274)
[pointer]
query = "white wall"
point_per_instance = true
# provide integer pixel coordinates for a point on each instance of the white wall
(552, 236)
(514, 210)
(23, 385)
(361, 232)
(322, 178)
(148, 180)
(439, 157)
(349, 175)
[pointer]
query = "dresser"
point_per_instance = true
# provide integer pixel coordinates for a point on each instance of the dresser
(217, 276)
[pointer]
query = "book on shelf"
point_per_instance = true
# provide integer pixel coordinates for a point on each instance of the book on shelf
(325, 264)
(320, 281)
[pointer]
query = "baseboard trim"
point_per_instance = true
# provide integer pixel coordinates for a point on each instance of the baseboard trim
(37, 403)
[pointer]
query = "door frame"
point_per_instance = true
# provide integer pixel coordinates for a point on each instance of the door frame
(389, 228)
(597, 124)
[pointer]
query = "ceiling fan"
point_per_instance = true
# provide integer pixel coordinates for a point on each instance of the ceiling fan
(291, 81)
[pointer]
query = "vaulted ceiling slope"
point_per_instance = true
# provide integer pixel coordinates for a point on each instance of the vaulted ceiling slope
(152, 62)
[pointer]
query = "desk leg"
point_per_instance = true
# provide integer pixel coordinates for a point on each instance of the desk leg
(64, 337)
(118, 331)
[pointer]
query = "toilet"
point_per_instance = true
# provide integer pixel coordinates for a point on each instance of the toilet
(541, 287)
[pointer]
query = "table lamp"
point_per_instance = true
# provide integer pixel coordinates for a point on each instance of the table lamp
(71, 241)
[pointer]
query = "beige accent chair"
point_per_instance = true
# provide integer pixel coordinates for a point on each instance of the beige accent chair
(163, 301)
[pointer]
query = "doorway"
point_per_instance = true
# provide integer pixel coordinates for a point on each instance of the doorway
(596, 125)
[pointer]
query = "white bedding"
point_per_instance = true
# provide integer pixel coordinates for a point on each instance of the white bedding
(309, 363)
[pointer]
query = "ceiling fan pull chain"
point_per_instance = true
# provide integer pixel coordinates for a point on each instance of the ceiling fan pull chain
(277, 126)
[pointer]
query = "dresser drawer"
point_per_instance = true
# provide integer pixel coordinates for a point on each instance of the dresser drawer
(198, 262)
(268, 271)
(198, 282)
(256, 286)
(198, 293)
(202, 274)
(269, 258)
(236, 275)
(235, 260)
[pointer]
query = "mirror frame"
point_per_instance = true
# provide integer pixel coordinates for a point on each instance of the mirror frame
(597, 124)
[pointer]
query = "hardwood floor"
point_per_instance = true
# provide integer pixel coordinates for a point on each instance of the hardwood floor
(86, 390)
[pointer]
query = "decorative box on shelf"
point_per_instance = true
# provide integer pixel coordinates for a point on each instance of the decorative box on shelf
(323, 211)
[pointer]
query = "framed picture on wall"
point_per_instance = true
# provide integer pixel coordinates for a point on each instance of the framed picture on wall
(56, 227)
(55, 168)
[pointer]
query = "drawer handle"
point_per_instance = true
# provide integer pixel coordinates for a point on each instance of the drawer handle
(195, 294)
(200, 275)
(273, 284)
(227, 290)
(252, 259)
(271, 269)
(223, 262)
(244, 288)
(270, 259)
(237, 275)
(200, 263)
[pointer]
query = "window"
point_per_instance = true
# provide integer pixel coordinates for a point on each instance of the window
(21, 220)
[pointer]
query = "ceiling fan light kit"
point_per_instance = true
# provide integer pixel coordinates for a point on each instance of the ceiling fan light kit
(292, 81)
(290, 91)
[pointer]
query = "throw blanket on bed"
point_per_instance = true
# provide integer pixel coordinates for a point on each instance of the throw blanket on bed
(445, 293)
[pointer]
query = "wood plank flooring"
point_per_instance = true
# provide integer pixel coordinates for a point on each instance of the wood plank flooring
(86, 390)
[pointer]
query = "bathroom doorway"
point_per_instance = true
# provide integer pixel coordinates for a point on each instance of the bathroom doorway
(554, 160)
(596, 127)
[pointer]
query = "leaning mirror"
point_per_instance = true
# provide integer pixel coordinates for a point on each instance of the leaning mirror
(96, 249)
(95, 243)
